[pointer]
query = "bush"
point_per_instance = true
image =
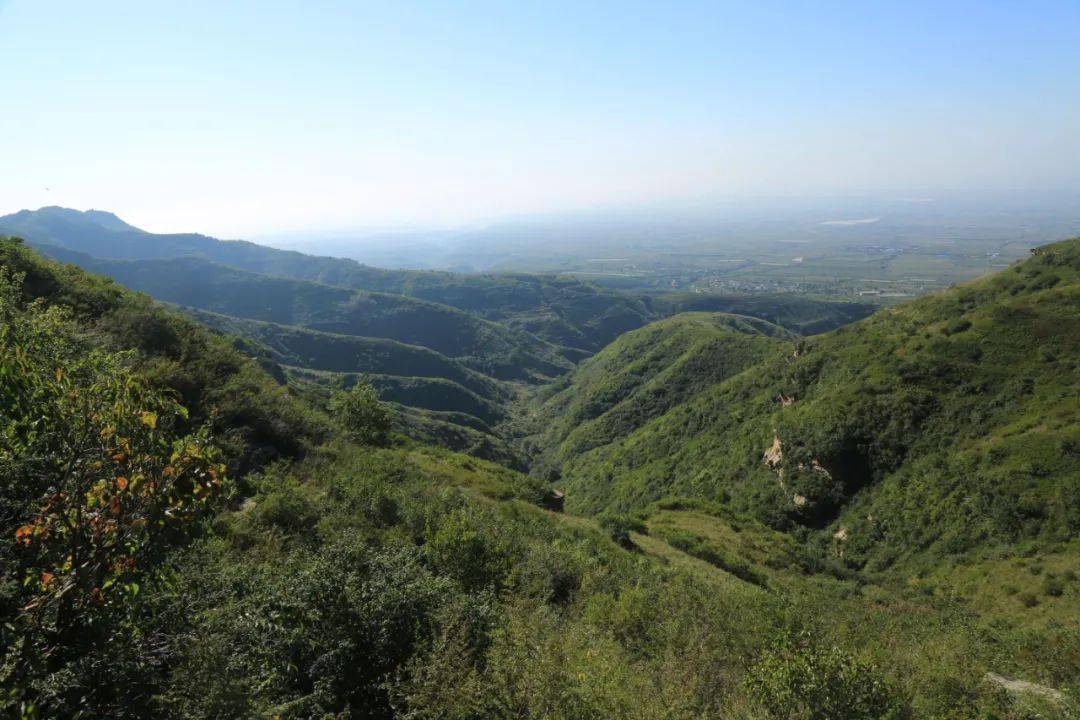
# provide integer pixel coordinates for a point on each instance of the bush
(1053, 586)
(619, 527)
(361, 415)
(799, 679)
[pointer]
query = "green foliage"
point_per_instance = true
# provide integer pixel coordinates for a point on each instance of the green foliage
(873, 424)
(361, 414)
(98, 481)
(410, 581)
(798, 678)
(797, 314)
(254, 418)
(641, 376)
(619, 527)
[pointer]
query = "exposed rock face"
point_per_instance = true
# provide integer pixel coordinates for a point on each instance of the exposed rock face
(774, 455)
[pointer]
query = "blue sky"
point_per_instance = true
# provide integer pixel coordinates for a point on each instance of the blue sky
(243, 118)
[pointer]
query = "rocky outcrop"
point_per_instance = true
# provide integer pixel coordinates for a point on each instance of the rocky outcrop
(774, 455)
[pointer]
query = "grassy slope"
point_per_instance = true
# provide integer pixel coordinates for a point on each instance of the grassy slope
(642, 375)
(941, 431)
(315, 350)
(663, 630)
(974, 366)
(420, 579)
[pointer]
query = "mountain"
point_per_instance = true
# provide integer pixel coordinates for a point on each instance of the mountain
(565, 311)
(947, 425)
(183, 536)
(301, 347)
(562, 310)
(799, 314)
(495, 349)
(417, 332)
(642, 375)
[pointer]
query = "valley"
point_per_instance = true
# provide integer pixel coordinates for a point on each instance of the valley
(763, 499)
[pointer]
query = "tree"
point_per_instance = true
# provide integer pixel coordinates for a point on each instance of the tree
(98, 476)
(361, 414)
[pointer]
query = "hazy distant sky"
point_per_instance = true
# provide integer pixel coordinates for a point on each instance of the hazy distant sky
(237, 118)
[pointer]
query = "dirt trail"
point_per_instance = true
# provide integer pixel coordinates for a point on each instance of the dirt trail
(1023, 686)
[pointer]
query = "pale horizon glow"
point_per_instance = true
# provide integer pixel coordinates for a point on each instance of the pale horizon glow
(254, 118)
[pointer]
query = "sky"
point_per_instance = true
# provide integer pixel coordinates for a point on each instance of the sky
(243, 118)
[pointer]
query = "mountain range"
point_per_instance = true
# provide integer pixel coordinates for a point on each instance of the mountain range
(327, 314)
(570, 502)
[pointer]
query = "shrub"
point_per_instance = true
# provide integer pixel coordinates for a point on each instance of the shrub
(468, 546)
(1053, 586)
(619, 527)
(361, 415)
(798, 678)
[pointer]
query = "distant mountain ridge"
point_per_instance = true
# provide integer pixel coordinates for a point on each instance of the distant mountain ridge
(579, 306)
(332, 320)
(563, 310)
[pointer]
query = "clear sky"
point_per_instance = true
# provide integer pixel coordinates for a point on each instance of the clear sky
(242, 117)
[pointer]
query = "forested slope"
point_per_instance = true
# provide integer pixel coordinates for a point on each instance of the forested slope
(642, 375)
(565, 311)
(156, 564)
(936, 427)
(497, 350)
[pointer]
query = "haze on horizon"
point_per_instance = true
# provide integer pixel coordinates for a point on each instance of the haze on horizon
(273, 116)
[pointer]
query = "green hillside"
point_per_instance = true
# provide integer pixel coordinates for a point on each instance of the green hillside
(946, 426)
(211, 378)
(565, 311)
(486, 346)
(183, 537)
(798, 313)
(312, 349)
(642, 375)
(413, 329)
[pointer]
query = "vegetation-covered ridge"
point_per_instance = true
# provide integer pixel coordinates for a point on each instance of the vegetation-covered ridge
(490, 347)
(563, 310)
(411, 333)
(941, 427)
(153, 564)
(642, 375)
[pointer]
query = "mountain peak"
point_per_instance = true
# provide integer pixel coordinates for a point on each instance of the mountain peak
(101, 218)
